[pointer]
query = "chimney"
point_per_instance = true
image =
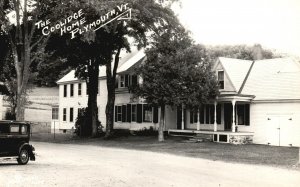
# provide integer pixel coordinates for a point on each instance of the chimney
(257, 52)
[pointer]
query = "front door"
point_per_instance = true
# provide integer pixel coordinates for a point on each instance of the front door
(227, 116)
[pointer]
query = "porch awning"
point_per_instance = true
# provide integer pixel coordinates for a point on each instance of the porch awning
(236, 97)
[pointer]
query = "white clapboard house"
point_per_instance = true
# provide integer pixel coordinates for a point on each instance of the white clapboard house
(259, 102)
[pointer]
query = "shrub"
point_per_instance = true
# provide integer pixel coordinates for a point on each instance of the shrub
(80, 122)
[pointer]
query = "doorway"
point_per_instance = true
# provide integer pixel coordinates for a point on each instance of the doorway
(227, 116)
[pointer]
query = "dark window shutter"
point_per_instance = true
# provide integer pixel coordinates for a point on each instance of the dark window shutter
(123, 113)
(126, 81)
(116, 115)
(155, 115)
(247, 114)
(139, 113)
(219, 114)
(134, 80)
(128, 112)
(191, 116)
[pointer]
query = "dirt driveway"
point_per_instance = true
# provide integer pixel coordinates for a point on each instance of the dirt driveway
(81, 165)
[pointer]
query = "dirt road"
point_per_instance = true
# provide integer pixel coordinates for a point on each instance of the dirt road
(79, 165)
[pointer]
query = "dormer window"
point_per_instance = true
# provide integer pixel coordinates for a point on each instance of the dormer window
(125, 80)
(221, 79)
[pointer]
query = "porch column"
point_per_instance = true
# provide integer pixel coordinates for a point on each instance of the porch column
(233, 116)
(198, 124)
(182, 118)
(215, 117)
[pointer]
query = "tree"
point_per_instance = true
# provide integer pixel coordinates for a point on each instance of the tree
(17, 21)
(176, 73)
(104, 46)
(245, 52)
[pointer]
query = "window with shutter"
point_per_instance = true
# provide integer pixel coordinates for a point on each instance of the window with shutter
(155, 114)
(65, 91)
(119, 113)
(147, 113)
(71, 90)
(71, 114)
(64, 114)
(128, 111)
(123, 113)
(139, 113)
(79, 89)
(133, 113)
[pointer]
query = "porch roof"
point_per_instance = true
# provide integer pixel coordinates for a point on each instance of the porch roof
(236, 97)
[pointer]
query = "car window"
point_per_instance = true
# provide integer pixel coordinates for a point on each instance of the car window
(24, 129)
(4, 129)
(14, 128)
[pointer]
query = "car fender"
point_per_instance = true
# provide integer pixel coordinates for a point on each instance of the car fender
(30, 149)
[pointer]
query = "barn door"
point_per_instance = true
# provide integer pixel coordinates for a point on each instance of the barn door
(279, 130)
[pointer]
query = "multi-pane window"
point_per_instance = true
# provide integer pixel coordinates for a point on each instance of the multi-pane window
(207, 114)
(133, 113)
(79, 89)
(125, 80)
(122, 81)
(65, 91)
(71, 90)
(221, 79)
(136, 113)
(193, 116)
(55, 113)
(71, 114)
(119, 113)
(64, 114)
(147, 113)
(243, 114)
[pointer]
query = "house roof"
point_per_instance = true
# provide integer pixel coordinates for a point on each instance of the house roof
(272, 79)
(236, 70)
(127, 61)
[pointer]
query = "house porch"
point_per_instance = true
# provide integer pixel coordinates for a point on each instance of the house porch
(216, 136)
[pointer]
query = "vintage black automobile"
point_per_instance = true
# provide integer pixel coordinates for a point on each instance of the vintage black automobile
(14, 141)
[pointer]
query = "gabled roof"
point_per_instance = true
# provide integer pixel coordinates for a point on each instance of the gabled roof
(236, 70)
(274, 79)
(271, 79)
(127, 61)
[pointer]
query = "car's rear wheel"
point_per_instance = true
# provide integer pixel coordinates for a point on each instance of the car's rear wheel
(23, 157)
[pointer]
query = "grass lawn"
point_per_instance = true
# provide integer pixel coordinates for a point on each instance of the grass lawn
(286, 157)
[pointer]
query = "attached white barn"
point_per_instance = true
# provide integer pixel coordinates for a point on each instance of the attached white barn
(265, 98)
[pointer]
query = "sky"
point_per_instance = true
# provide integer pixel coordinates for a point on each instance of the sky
(275, 24)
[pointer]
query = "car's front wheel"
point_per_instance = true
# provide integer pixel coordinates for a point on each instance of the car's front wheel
(23, 157)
